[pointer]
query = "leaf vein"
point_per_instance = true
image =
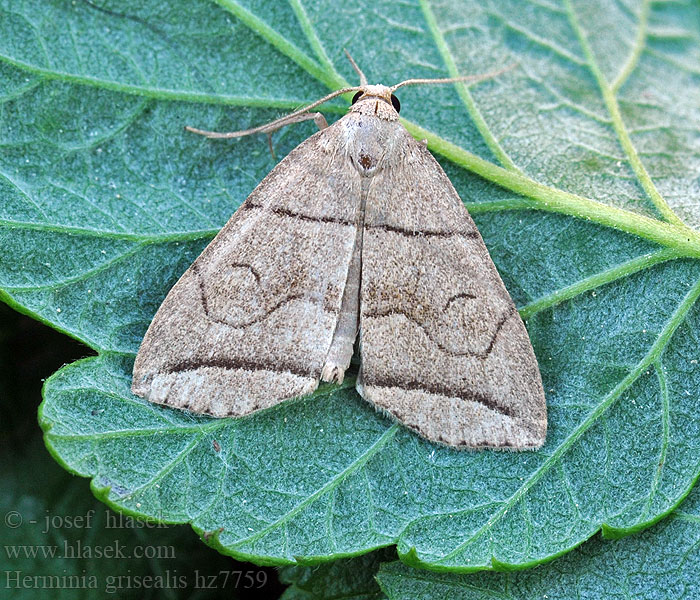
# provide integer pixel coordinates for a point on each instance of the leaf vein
(356, 464)
(279, 42)
(57, 284)
(618, 123)
(314, 41)
(665, 434)
(597, 280)
(142, 238)
(155, 92)
(463, 91)
(556, 200)
(165, 470)
(654, 352)
(637, 49)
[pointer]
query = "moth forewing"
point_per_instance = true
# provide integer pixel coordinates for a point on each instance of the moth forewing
(250, 323)
(358, 228)
(443, 348)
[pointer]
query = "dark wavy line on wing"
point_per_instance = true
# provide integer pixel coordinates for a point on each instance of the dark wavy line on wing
(272, 310)
(252, 270)
(481, 355)
(276, 307)
(459, 296)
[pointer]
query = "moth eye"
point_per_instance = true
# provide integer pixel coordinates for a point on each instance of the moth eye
(395, 103)
(356, 97)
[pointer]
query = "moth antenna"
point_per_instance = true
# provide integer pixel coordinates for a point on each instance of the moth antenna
(469, 78)
(363, 79)
(272, 125)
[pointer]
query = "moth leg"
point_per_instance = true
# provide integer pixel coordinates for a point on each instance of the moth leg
(268, 128)
(318, 118)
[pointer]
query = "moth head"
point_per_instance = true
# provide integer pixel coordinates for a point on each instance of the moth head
(378, 100)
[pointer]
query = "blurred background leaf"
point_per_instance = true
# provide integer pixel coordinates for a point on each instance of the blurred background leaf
(58, 541)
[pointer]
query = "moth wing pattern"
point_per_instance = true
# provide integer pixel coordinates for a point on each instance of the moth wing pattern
(442, 346)
(249, 324)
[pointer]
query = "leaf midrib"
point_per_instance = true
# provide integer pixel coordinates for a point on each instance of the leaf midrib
(534, 195)
(672, 233)
(649, 358)
(578, 206)
(679, 236)
(568, 203)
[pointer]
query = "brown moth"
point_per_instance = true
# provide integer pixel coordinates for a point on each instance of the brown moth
(357, 230)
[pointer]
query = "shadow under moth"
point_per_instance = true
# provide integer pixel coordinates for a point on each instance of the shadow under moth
(358, 232)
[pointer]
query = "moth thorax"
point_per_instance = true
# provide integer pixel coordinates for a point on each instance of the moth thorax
(370, 141)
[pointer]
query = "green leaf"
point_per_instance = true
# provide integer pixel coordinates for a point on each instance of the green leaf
(664, 560)
(347, 578)
(578, 165)
(58, 541)
(661, 562)
(60, 538)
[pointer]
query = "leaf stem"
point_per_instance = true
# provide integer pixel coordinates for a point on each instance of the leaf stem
(683, 239)
(614, 110)
(463, 91)
(257, 25)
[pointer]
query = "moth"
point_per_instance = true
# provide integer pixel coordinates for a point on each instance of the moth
(356, 234)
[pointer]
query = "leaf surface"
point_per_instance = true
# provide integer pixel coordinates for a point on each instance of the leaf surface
(661, 562)
(578, 165)
(58, 541)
